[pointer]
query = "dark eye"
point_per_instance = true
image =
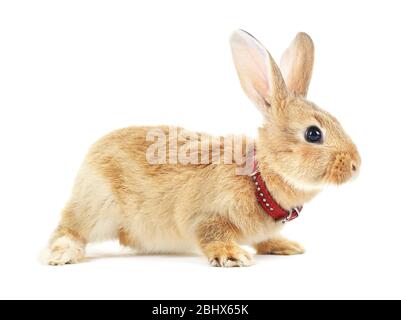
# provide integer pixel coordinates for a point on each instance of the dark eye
(313, 135)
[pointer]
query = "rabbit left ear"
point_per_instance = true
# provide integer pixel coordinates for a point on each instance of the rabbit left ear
(259, 75)
(297, 64)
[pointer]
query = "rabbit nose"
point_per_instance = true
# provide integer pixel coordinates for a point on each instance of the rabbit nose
(355, 164)
(355, 161)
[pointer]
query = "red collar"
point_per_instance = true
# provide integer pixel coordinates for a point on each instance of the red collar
(268, 204)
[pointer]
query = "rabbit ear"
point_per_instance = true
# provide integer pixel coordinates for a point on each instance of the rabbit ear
(297, 64)
(259, 75)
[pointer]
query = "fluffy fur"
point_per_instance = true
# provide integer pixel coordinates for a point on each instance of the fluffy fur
(174, 207)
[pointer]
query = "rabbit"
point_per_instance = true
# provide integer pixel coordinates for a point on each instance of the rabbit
(176, 207)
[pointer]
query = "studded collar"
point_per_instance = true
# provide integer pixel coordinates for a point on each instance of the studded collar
(266, 201)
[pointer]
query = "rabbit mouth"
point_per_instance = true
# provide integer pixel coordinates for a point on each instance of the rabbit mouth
(342, 169)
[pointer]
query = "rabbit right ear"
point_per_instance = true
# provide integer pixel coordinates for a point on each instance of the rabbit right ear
(297, 64)
(259, 75)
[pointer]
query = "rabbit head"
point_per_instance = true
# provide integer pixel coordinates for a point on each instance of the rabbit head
(303, 143)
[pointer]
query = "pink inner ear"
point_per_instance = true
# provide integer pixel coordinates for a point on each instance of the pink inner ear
(254, 64)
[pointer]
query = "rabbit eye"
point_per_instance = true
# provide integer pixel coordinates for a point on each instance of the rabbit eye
(313, 135)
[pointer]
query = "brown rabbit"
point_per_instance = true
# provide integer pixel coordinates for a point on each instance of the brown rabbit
(175, 206)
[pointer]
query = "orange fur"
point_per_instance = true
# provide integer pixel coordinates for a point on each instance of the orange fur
(174, 207)
(126, 239)
(279, 246)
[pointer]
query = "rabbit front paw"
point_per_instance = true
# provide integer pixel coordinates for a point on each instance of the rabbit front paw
(279, 246)
(228, 256)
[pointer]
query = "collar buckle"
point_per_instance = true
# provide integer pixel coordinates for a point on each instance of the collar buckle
(292, 215)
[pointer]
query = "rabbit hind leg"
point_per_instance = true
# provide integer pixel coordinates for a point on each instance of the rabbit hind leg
(66, 246)
(92, 215)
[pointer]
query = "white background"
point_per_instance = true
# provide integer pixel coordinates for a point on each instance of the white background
(71, 71)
